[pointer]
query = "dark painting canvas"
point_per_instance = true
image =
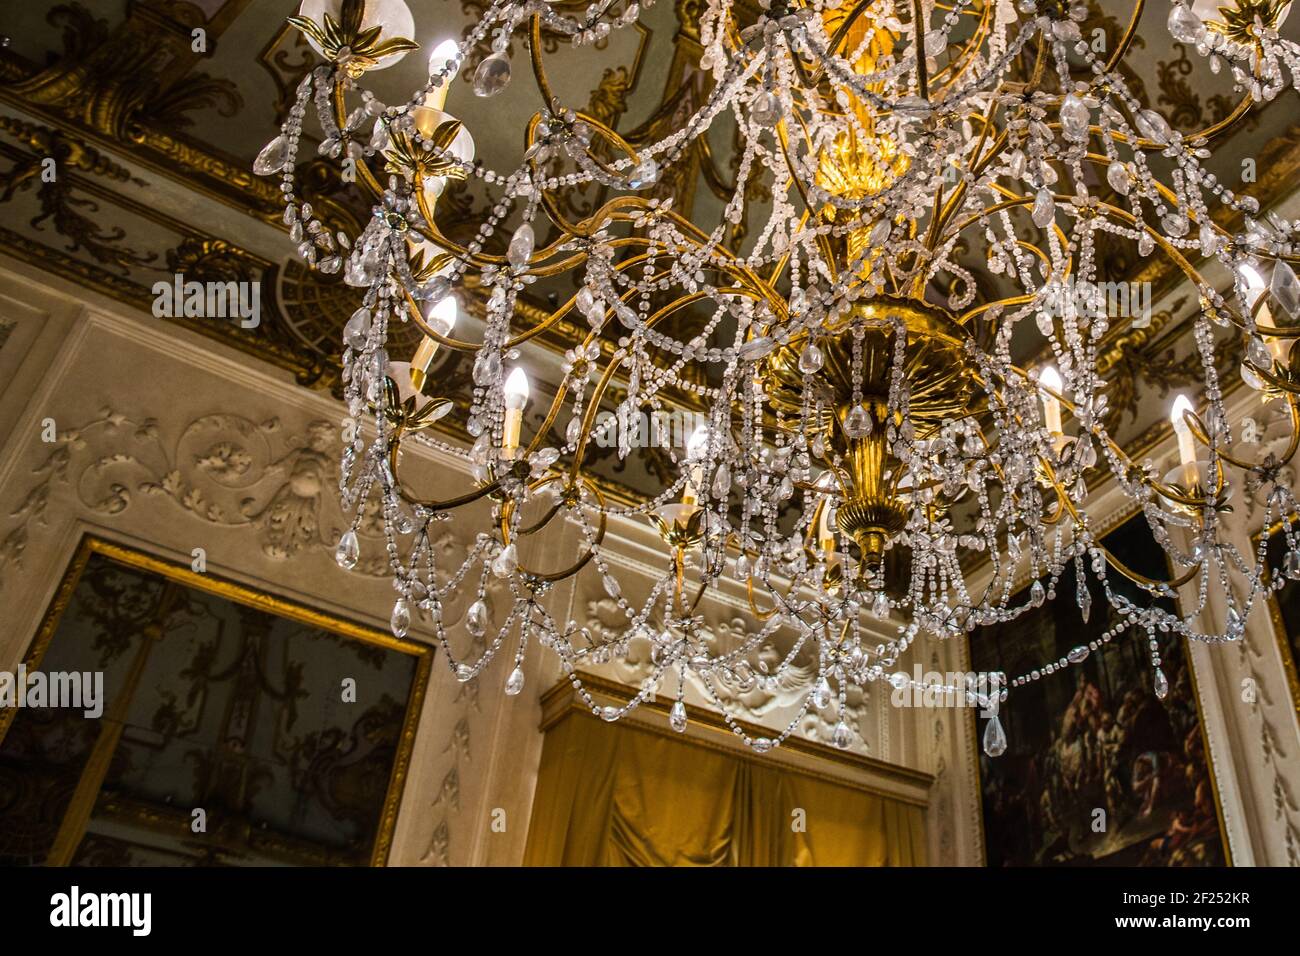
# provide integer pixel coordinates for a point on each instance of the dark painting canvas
(225, 739)
(1098, 770)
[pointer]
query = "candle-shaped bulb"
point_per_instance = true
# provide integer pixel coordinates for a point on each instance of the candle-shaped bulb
(1186, 441)
(443, 54)
(516, 389)
(696, 447)
(441, 317)
(1050, 378)
(516, 396)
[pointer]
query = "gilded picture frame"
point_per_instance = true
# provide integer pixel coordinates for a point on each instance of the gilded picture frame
(275, 605)
(977, 727)
(1279, 622)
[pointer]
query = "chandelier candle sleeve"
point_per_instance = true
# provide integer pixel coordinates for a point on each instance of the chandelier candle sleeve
(516, 397)
(441, 317)
(1049, 378)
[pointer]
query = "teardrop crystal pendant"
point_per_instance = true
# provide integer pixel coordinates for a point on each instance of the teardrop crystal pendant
(811, 360)
(1044, 209)
(821, 695)
(1185, 26)
(1160, 684)
(357, 329)
(1285, 289)
(1117, 174)
(506, 562)
(857, 423)
(1291, 565)
(765, 109)
(521, 246)
(677, 717)
(880, 606)
(1075, 117)
(492, 75)
(273, 157)
(841, 736)
(348, 551)
(722, 482)
(1037, 594)
(1153, 126)
(645, 174)
(515, 682)
(995, 738)
(401, 619)
(476, 618)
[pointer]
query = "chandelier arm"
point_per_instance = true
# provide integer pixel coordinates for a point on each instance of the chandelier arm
(339, 102)
(1198, 429)
(823, 242)
(1102, 436)
(959, 190)
(417, 318)
(918, 43)
(1134, 576)
(965, 59)
(589, 416)
(1126, 38)
(433, 504)
(564, 573)
(836, 40)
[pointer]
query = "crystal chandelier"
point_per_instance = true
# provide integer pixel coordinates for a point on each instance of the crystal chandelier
(856, 414)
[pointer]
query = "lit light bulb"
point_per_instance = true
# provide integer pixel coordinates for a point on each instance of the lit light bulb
(1254, 282)
(516, 395)
(1050, 378)
(1279, 349)
(443, 54)
(1186, 441)
(441, 317)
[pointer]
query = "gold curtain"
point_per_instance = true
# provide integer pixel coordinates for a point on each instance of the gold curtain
(624, 796)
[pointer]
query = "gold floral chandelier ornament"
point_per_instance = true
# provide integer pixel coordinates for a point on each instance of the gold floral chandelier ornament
(855, 365)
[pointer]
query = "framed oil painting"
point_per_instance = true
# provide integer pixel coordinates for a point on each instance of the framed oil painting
(237, 728)
(1098, 770)
(1284, 609)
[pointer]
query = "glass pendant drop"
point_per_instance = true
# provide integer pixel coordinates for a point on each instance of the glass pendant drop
(400, 622)
(995, 738)
(492, 75)
(821, 695)
(1160, 684)
(515, 682)
(677, 717)
(348, 551)
(273, 157)
(476, 618)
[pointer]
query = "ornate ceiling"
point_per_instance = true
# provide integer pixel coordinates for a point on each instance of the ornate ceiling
(153, 134)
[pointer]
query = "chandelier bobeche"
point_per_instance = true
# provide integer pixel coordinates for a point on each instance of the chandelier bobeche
(852, 410)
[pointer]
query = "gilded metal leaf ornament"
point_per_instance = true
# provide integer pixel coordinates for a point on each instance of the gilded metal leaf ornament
(346, 44)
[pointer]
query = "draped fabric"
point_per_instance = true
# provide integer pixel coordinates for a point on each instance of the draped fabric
(623, 796)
